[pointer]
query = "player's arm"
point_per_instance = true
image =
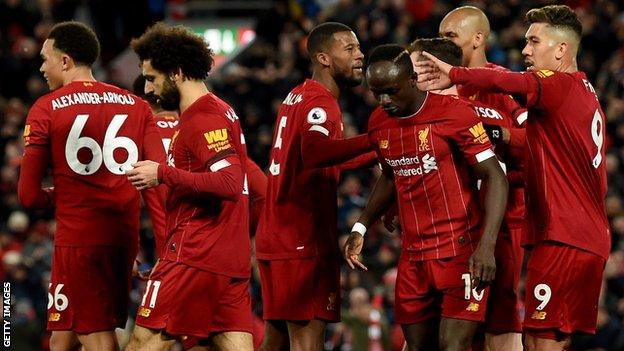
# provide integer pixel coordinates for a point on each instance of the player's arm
(319, 150)
(437, 72)
(257, 182)
(381, 198)
(36, 160)
(33, 168)
(482, 262)
(222, 176)
(366, 160)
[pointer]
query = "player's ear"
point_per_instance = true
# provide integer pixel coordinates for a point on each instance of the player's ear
(177, 76)
(323, 59)
(478, 40)
(66, 62)
(561, 50)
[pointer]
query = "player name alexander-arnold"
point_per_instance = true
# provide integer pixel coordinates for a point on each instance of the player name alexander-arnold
(106, 97)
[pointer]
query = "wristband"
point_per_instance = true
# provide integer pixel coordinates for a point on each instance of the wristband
(495, 133)
(359, 228)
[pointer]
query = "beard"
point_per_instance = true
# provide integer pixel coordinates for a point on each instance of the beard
(347, 81)
(169, 98)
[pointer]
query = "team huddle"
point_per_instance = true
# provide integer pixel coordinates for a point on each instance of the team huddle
(477, 162)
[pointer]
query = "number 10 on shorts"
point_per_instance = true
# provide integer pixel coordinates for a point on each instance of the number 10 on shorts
(155, 284)
(467, 289)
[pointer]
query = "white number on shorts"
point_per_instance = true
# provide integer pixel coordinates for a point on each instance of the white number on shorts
(156, 284)
(59, 300)
(596, 132)
(105, 153)
(467, 289)
(274, 168)
(542, 293)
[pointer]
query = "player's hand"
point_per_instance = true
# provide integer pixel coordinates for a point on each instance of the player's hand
(390, 219)
(141, 275)
(433, 73)
(352, 249)
(144, 175)
(482, 265)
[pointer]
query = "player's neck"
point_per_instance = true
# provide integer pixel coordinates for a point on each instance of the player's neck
(326, 80)
(78, 74)
(478, 59)
(567, 66)
(190, 91)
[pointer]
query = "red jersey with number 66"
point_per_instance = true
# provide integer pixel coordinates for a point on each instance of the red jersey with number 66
(94, 132)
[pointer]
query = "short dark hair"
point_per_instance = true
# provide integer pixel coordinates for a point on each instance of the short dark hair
(392, 53)
(76, 40)
(559, 16)
(442, 48)
(321, 35)
(174, 48)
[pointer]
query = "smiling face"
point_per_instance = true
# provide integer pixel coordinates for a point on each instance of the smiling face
(52, 66)
(161, 86)
(392, 87)
(541, 48)
(347, 59)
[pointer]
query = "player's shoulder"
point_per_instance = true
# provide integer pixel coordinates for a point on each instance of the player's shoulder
(314, 92)
(450, 109)
(379, 119)
(210, 109)
(438, 101)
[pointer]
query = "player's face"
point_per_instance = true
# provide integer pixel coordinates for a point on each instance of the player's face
(161, 86)
(539, 51)
(346, 59)
(392, 87)
(52, 66)
(456, 29)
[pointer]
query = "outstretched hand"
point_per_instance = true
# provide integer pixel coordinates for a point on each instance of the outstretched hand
(433, 72)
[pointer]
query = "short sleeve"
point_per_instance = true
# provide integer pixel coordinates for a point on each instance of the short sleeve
(467, 132)
(212, 138)
(322, 114)
(37, 129)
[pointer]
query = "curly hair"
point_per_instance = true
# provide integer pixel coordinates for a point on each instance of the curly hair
(170, 49)
(558, 16)
(442, 48)
(76, 40)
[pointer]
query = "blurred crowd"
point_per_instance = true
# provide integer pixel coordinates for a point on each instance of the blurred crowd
(255, 82)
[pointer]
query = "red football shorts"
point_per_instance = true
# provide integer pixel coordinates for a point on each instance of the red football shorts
(503, 312)
(562, 290)
(437, 288)
(301, 289)
(89, 288)
(189, 303)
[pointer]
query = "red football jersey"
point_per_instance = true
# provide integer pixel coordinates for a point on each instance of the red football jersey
(501, 109)
(300, 213)
(167, 123)
(202, 231)
(511, 162)
(94, 132)
(429, 154)
(500, 101)
(565, 169)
